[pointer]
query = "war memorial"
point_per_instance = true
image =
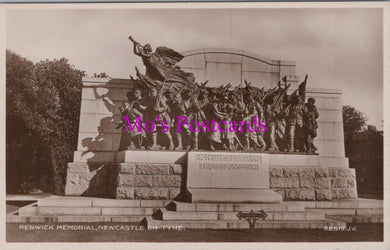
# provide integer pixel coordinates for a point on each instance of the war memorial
(277, 158)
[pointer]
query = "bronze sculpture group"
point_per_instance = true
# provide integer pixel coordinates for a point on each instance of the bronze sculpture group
(166, 93)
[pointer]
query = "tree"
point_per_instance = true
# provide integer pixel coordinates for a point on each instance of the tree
(44, 99)
(364, 148)
(22, 139)
(101, 75)
(354, 121)
(67, 82)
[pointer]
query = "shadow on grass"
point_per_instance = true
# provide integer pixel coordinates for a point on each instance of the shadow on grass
(12, 206)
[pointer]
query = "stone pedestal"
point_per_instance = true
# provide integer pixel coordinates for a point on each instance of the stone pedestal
(148, 175)
(163, 175)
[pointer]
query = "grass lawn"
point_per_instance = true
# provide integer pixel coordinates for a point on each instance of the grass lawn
(364, 232)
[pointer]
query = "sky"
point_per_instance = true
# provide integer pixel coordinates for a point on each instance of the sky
(337, 48)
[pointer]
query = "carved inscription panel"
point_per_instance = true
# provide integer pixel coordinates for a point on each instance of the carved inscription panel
(227, 170)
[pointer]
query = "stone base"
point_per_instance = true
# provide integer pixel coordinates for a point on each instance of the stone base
(313, 183)
(145, 181)
(87, 179)
(233, 196)
(142, 174)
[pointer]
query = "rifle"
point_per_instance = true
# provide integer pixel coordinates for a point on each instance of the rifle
(287, 107)
(247, 84)
(238, 141)
(280, 98)
(170, 85)
(158, 99)
(226, 88)
(241, 96)
(182, 89)
(196, 93)
(268, 93)
(237, 91)
(260, 95)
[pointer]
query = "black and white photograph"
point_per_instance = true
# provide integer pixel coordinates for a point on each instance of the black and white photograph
(195, 123)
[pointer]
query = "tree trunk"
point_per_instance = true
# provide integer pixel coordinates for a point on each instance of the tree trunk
(58, 186)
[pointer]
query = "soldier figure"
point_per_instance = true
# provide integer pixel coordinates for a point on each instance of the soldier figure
(237, 102)
(215, 113)
(198, 114)
(270, 116)
(157, 111)
(179, 107)
(260, 116)
(227, 136)
(310, 125)
(260, 134)
(132, 110)
(295, 115)
(250, 113)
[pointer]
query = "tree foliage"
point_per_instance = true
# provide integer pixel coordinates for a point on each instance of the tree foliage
(43, 105)
(354, 121)
(364, 148)
(101, 75)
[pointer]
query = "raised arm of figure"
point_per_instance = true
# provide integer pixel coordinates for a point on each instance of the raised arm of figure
(138, 49)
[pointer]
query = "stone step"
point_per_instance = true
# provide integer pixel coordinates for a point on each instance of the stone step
(344, 218)
(128, 211)
(369, 211)
(214, 207)
(97, 202)
(333, 211)
(375, 218)
(348, 211)
(241, 224)
(74, 218)
(348, 203)
(30, 211)
(166, 215)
